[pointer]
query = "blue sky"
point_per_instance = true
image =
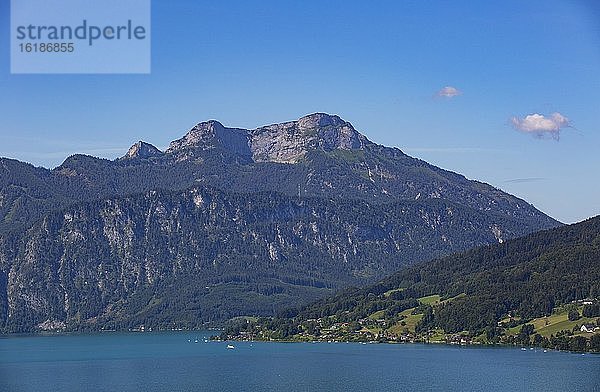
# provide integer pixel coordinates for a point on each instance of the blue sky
(378, 65)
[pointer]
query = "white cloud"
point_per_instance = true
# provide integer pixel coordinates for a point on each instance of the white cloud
(540, 125)
(449, 92)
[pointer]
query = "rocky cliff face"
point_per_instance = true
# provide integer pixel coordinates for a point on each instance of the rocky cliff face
(210, 135)
(289, 142)
(121, 262)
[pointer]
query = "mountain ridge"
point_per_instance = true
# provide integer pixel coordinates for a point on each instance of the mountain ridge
(317, 155)
(286, 142)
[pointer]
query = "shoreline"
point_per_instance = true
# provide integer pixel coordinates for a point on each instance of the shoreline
(432, 343)
(217, 339)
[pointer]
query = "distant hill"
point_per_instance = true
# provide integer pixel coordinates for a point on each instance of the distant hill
(492, 291)
(229, 222)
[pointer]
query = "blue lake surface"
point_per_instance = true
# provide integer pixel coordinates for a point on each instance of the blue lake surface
(174, 362)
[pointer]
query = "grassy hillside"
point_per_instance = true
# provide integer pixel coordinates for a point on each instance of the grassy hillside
(531, 290)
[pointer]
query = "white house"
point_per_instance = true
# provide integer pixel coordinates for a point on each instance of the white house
(588, 328)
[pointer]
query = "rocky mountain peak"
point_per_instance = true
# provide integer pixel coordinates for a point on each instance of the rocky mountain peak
(212, 134)
(201, 135)
(286, 142)
(289, 142)
(142, 150)
(333, 132)
(318, 120)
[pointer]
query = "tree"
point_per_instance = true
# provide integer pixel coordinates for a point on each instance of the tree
(492, 334)
(592, 310)
(578, 343)
(526, 331)
(595, 343)
(427, 321)
(574, 315)
(538, 339)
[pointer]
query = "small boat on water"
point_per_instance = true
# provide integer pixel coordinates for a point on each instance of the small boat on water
(230, 347)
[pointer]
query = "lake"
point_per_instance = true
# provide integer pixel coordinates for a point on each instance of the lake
(175, 362)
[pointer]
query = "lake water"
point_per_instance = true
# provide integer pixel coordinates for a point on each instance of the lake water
(174, 362)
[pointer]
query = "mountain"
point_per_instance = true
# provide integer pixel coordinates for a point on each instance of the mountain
(318, 155)
(142, 150)
(492, 292)
(227, 222)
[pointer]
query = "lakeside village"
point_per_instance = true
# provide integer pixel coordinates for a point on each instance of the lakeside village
(567, 329)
